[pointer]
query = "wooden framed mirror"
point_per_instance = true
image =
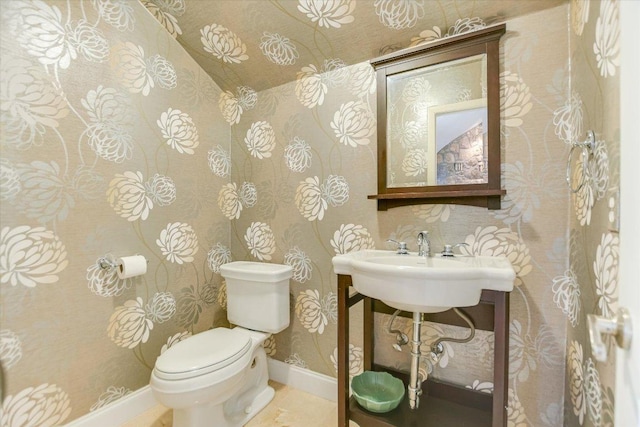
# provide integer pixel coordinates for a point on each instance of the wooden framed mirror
(439, 122)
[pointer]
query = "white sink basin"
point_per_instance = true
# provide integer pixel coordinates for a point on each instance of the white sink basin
(426, 285)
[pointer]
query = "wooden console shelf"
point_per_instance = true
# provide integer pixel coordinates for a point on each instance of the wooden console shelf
(441, 404)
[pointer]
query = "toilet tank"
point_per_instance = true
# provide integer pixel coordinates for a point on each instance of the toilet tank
(257, 295)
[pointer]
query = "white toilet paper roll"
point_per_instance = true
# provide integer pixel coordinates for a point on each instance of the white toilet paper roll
(130, 266)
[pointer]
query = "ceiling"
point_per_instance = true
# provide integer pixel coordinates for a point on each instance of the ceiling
(261, 44)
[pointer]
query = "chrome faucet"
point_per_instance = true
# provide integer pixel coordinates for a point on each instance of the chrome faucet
(424, 245)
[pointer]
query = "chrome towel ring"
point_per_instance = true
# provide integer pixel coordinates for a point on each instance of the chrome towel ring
(588, 146)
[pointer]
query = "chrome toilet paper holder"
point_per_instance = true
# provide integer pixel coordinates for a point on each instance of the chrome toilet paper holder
(109, 262)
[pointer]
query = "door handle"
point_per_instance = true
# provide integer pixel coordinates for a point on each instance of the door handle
(619, 326)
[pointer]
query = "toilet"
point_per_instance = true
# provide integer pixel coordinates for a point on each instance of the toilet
(219, 377)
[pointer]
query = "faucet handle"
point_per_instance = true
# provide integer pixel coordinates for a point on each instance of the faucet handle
(401, 247)
(448, 249)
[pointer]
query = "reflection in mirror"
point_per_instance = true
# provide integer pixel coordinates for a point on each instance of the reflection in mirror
(437, 124)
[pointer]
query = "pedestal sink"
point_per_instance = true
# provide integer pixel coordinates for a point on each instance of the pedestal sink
(424, 284)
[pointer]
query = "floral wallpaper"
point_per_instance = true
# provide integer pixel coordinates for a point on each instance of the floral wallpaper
(590, 284)
(115, 141)
(112, 145)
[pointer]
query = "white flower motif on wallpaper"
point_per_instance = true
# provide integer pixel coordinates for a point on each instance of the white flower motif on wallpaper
(223, 44)
(45, 194)
(568, 119)
(416, 93)
(222, 295)
(30, 256)
(415, 162)
(44, 405)
(362, 81)
(350, 238)
(10, 349)
(179, 131)
(174, 339)
(133, 199)
(526, 352)
(30, 101)
(356, 356)
(492, 241)
(178, 242)
(584, 199)
(298, 155)
(579, 15)
(219, 161)
(232, 106)
(167, 13)
(295, 360)
(248, 194)
(607, 39)
(515, 99)
(314, 312)
(522, 198)
(9, 181)
(161, 307)
(310, 86)
(482, 386)
(119, 13)
(313, 198)
(594, 182)
(329, 14)
(129, 325)
(433, 213)
(269, 346)
(105, 282)
(566, 295)
(139, 74)
(300, 263)
(260, 139)
(231, 201)
(516, 416)
(88, 41)
(605, 268)
(110, 115)
(278, 49)
(584, 385)
(462, 25)
(353, 124)
(218, 255)
(189, 307)
(42, 33)
(112, 394)
(335, 72)
(260, 241)
(399, 14)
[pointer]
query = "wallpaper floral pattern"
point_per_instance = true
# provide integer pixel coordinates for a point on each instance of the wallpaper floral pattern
(590, 285)
(112, 144)
(114, 141)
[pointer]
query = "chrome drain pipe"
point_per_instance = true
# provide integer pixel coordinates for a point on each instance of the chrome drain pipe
(415, 380)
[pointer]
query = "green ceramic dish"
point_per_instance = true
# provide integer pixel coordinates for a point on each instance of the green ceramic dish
(377, 391)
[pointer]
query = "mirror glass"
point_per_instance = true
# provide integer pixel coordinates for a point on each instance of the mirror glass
(437, 124)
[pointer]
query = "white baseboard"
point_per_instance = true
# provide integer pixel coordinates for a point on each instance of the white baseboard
(119, 412)
(141, 400)
(303, 379)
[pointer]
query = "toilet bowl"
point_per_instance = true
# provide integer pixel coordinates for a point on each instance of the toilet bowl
(219, 377)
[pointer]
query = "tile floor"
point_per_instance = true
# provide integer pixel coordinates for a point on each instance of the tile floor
(289, 408)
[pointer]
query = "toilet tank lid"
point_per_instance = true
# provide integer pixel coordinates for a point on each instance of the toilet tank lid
(257, 271)
(202, 353)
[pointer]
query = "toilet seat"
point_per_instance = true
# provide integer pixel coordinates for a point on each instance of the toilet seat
(202, 353)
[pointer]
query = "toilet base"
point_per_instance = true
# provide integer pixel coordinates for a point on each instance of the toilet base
(203, 414)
